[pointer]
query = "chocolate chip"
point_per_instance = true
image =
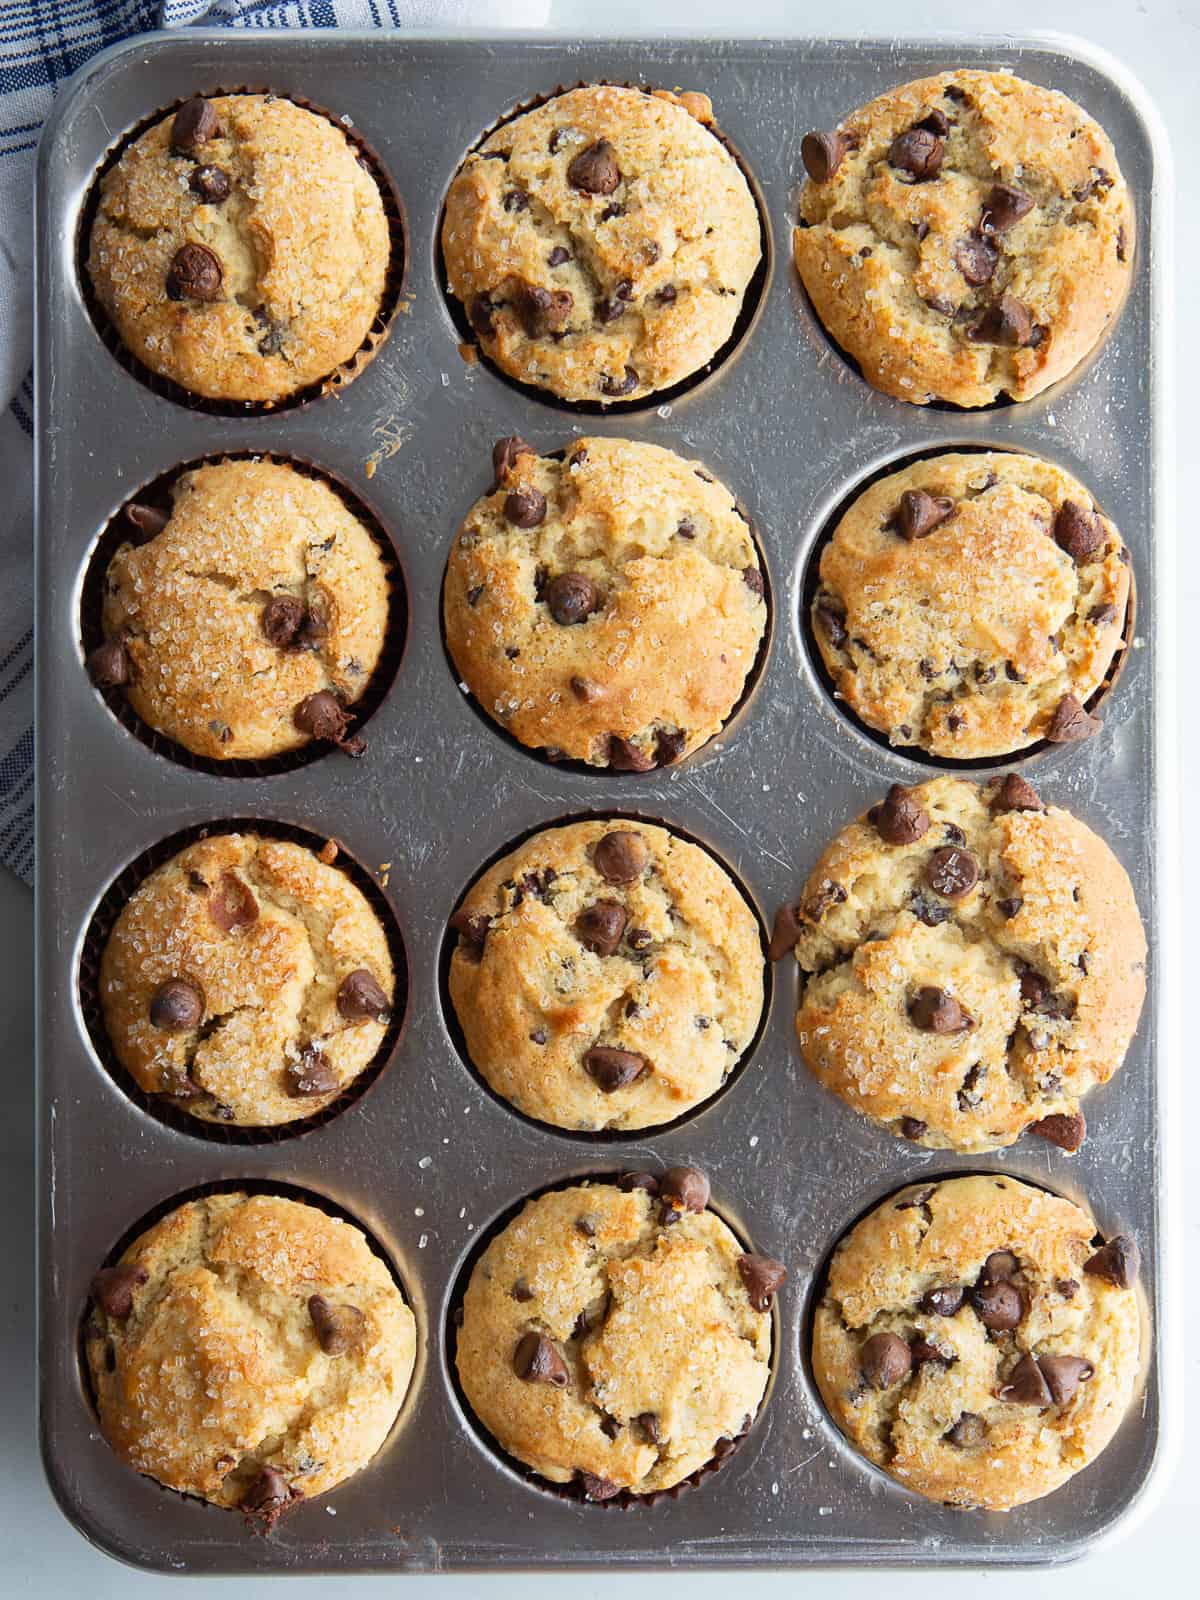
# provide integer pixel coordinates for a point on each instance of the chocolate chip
(232, 906)
(629, 1181)
(913, 1128)
(685, 1188)
(1063, 1375)
(1007, 321)
(525, 507)
(923, 1352)
(599, 927)
(1015, 793)
(944, 1301)
(918, 513)
(361, 998)
(146, 521)
(976, 259)
(624, 755)
(999, 1267)
(1122, 244)
(521, 1291)
(536, 1360)
(321, 715)
(311, 1074)
(1003, 208)
(824, 897)
(952, 872)
(668, 746)
(931, 912)
(1102, 615)
(542, 310)
(885, 1360)
(176, 1006)
(832, 621)
(1070, 722)
(899, 819)
(753, 579)
(822, 154)
(505, 453)
(109, 666)
(998, 1306)
(112, 1288)
(515, 200)
(919, 153)
(934, 1011)
(558, 256)
(650, 1427)
(572, 598)
(1026, 1386)
(1067, 1287)
(595, 1488)
(1116, 1262)
(621, 856)
(640, 938)
(210, 184)
(1099, 181)
(970, 1429)
(916, 1201)
(338, 1328)
(267, 1494)
(1066, 1130)
(1078, 531)
(614, 210)
(595, 169)
(613, 1069)
(281, 619)
(479, 315)
(195, 123)
(666, 296)
(472, 930)
(195, 274)
(625, 384)
(763, 1277)
(1009, 908)
(787, 929)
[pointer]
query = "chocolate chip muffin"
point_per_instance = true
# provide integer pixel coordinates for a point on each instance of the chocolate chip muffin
(972, 963)
(971, 604)
(602, 243)
(240, 248)
(974, 1343)
(606, 975)
(246, 612)
(246, 981)
(607, 606)
(250, 1350)
(966, 236)
(617, 1336)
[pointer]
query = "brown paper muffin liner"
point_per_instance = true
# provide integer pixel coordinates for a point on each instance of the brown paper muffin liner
(605, 1136)
(573, 1492)
(565, 763)
(914, 753)
(162, 1107)
(334, 381)
(752, 300)
(117, 531)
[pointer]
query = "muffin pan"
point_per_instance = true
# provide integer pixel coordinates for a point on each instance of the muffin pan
(429, 1159)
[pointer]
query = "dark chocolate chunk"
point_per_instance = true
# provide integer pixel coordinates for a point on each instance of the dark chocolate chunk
(176, 1006)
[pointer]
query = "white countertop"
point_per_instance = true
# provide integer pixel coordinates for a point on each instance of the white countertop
(1159, 41)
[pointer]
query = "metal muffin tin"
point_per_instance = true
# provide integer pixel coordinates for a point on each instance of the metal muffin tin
(428, 1158)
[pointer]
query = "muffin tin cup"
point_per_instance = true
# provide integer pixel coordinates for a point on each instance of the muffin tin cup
(429, 1158)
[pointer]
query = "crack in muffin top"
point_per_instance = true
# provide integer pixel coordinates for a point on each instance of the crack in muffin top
(962, 599)
(652, 1356)
(603, 242)
(242, 251)
(214, 1374)
(965, 236)
(972, 964)
(234, 981)
(606, 607)
(973, 1341)
(195, 608)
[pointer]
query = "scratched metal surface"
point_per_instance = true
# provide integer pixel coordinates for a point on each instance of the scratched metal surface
(427, 1159)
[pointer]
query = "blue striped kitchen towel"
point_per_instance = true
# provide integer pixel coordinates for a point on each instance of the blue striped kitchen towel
(42, 42)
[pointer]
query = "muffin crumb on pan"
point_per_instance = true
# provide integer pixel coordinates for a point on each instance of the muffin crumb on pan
(602, 243)
(972, 964)
(965, 236)
(976, 1342)
(616, 1337)
(249, 1349)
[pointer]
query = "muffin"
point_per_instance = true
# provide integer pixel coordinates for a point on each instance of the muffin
(246, 981)
(607, 606)
(602, 243)
(974, 1343)
(617, 1337)
(964, 237)
(240, 248)
(250, 1350)
(606, 975)
(972, 963)
(246, 612)
(971, 605)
